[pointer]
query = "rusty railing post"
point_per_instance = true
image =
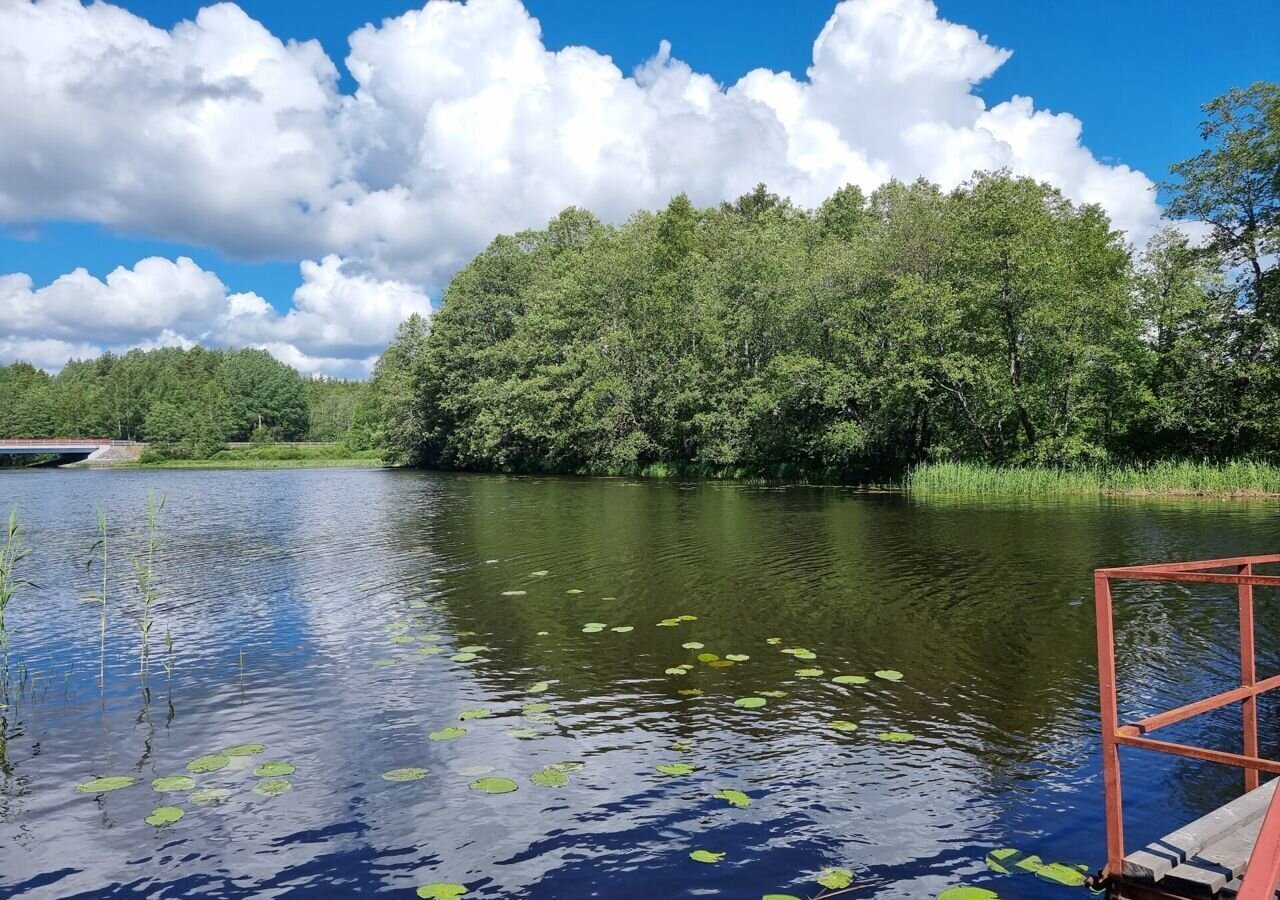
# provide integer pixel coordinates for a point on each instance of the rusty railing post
(1109, 708)
(1248, 676)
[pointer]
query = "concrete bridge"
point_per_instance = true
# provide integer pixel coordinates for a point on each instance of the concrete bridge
(69, 450)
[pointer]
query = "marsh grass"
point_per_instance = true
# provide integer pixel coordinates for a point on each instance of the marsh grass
(98, 553)
(12, 552)
(145, 578)
(1192, 479)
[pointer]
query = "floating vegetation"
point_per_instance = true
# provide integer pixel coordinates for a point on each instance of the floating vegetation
(478, 712)
(850, 679)
(773, 694)
(773, 640)
(164, 815)
(402, 639)
(688, 692)
(550, 777)
(473, 648)
(1071, 875)
(514, 593)
(532, 709)
(543, 633)
(540, 573)
(676, 769)
(273, 787)
(897, 737)
(623, 629)
(573, 591)
(524, 732)
(274, 769)
(706, 856)
(750, 702)
(735, 798)
(677, 670)
(720, 663)
(809, 673)
(388, 661)
(448, 733)
(682, 746)
(405, 774)
(693, 645)
(968, 893)
(687, 618)
(538, 687)
(844, 725)
(429, 651)
(736, 657)
(243, 750)
(106, 784)
(442, 890)
(494, 785)
(172, 783)
(463, 657)
(210, 763)
(668, 623)
(1008, 861)
(592, 629)
(209, 795)
(835, 879)
(889, 674)
(708, 657)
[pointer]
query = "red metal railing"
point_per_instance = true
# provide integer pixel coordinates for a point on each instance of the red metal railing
(1263, 873)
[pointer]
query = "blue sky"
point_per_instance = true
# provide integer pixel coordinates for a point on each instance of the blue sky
(1134, 73)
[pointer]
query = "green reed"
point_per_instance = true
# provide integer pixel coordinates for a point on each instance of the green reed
(145, 577)
(1241, 478)
(12, 552)
(99, 553)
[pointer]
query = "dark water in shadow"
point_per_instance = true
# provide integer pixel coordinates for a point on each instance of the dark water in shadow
(985, 607)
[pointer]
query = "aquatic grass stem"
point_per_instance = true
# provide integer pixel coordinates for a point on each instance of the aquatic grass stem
(144, 575)
(100, 547)
(12, 552)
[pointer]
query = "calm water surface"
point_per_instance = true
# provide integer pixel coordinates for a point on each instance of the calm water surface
(287, 593)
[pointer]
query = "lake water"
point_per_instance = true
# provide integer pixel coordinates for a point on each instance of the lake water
(287, 593)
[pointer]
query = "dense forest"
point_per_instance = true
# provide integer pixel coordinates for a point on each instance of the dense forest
(187, 403)
(997, 323)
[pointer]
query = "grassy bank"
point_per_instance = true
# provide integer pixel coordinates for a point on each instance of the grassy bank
(1190, 479)
(274, 456)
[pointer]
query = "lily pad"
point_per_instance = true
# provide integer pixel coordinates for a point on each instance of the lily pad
(737, 657)
(532, 709)
(550, 778)
(968, 893)
(209, 795)
(441, 890)
(524, 733)
(597, 625)
(835, 879)
(668, 623)
(844, 725)
(402, 639)
(774, 694)
(750, 702)
(243, 750)
(448, 733)
(809, 673)
(474, 648)
(677, 670)
(164, 815)
(273, 787)
(539, 687)
(1007, 861)
(708, 657)
(773, 640)
(430, 651)
(1072, 875)
(211, 763)
(897, 737)
(693, 645)
(478, 712)
(720, 663)
(172, 783)
(676, 768)
(387, 661)
(889, 674)
(687, 618)
(274, 769)
(573, 591)
(405, 774)
(623, 629)
(850, 679)
(735, 798)
(514, 593)
(706, 856)
(540, 573)
(463, 657)
(591, 629)
(494, 785)
(543, 633)
(106, 784)
(689, 692)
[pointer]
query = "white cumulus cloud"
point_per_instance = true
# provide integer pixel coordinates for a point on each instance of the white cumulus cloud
(463, 124)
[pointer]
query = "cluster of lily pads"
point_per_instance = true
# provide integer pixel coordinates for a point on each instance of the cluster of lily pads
(272, 775)
(1008, 861)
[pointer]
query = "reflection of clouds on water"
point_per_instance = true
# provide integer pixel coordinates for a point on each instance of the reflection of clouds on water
(305, 570)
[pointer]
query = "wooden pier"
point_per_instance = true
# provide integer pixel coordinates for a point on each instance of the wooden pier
(1234, 852)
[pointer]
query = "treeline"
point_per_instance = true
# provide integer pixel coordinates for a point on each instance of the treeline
(997, 322)
(187, 403)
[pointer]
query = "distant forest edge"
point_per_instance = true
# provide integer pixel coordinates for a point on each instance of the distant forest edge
(187, 403)
(997, 324)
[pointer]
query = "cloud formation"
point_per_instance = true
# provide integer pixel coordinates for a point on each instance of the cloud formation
(464, 124)
(339, 323)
